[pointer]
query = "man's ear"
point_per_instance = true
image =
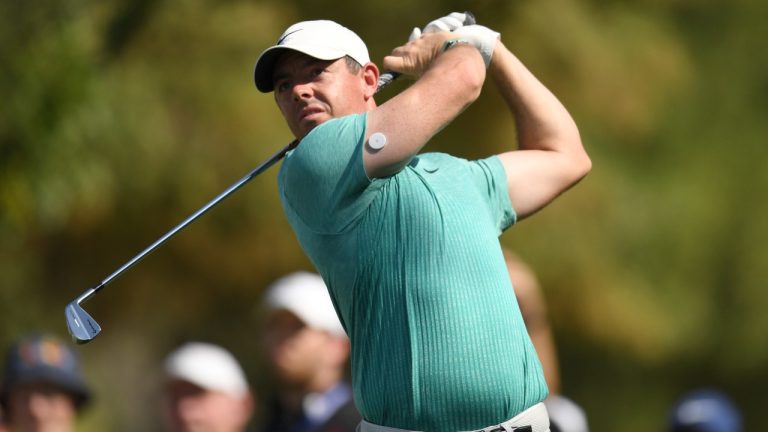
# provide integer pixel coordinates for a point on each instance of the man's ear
(370, 79)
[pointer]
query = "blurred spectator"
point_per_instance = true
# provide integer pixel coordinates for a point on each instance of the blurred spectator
(705, 411)
(534, 311)
(43, 389)
(3, 427)
(308, 349)
(564, 414)
(206, 390)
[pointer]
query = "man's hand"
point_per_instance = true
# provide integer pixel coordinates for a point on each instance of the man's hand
(483, 38)
(415, 57)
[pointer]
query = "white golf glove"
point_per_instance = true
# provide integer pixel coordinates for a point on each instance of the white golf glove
(447, 23)
(483, 38)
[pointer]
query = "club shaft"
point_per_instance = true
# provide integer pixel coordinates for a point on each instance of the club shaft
(88, 293)
(175, 230)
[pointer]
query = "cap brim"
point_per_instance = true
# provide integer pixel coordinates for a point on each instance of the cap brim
(265, 65)
(80, 394)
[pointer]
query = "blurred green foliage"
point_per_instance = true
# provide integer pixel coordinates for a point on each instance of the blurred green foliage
(120, 118)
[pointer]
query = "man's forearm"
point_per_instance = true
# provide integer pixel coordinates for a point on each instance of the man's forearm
(542, 121)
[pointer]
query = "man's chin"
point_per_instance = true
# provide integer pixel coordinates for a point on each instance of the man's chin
(307, 127)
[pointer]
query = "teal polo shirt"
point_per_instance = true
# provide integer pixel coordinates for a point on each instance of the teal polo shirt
(416, 273)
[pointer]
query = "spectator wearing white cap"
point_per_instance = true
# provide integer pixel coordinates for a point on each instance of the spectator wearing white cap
(308, 349)
(206, 390)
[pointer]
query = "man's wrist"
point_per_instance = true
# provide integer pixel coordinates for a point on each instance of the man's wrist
(450, 43)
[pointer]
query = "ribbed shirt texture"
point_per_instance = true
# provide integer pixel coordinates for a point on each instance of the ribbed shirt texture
(415, 271)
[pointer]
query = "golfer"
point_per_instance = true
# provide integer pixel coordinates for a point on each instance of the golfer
(407, 243)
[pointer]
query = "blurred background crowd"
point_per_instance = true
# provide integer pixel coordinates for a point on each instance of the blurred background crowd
(120, 118)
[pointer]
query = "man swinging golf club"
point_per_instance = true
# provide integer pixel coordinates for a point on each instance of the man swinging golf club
(407, 243)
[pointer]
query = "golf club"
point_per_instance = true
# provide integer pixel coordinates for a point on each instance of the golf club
(84, 328)
(81, 325)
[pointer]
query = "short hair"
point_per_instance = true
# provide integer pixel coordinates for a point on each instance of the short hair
(353, 65)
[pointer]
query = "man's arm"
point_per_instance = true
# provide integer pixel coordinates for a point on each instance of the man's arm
(449, 81)
(550, 157)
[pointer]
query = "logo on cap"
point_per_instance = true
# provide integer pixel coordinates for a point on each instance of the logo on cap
(46, 352)
(285, 36)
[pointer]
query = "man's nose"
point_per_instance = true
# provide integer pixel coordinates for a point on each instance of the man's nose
(302, 90)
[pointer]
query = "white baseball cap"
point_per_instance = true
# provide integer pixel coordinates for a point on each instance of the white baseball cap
(207, 366)
(321, 39)
(305, 295)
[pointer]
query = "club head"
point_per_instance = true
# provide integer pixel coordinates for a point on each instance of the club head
(81, 326)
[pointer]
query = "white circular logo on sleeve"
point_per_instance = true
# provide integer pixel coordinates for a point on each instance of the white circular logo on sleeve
(377, 141)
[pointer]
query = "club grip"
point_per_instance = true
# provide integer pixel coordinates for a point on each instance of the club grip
(388, 77)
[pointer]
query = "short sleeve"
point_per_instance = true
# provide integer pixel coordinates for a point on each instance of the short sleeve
(491, 180)
(323, 181)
